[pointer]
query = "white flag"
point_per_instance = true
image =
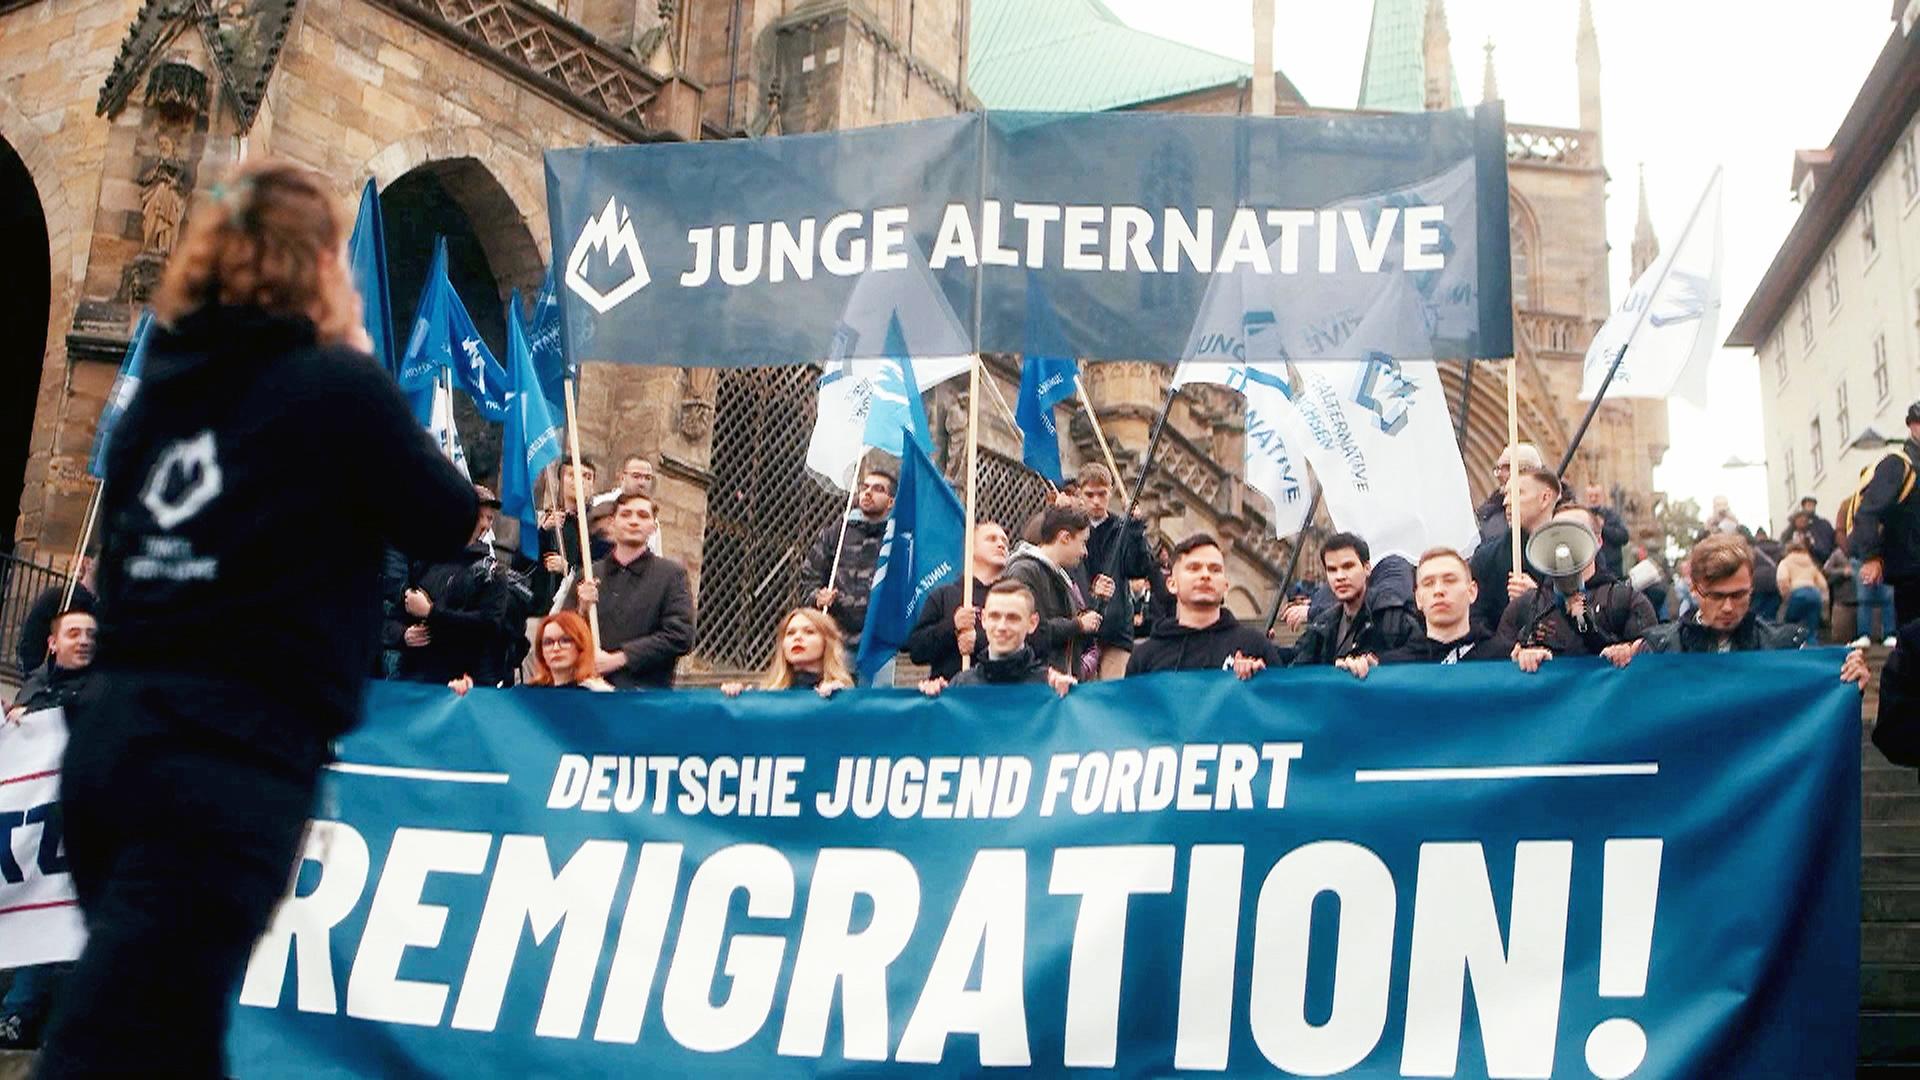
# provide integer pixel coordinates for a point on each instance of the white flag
(846, 391)
(1669, 321)
(1272, 464)
(445, 434)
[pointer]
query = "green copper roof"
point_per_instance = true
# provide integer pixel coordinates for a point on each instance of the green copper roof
(1077, 56)
(1394, 75)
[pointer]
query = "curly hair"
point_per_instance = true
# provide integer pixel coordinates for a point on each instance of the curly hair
(268, 236)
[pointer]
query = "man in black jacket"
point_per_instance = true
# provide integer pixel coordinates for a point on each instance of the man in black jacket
(1599, 616)
(38, 625)
(1885, 534)
(1360, 622)
(1896, 728)
(1535, 493)
(1202, 635)
(1444, 591)
(1007, 620)
(1613, 532)
(1064, 636)
(453, 619)
(56, 683)
(946, 627)
(645, 607)
(841, 591)
(1116, 558)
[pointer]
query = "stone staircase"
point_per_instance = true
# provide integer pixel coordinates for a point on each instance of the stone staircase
(1889, 915)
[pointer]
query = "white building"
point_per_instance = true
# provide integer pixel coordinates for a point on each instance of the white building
(1836, 320)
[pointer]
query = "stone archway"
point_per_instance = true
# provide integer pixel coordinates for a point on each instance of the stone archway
(27, 307)
(490, 253)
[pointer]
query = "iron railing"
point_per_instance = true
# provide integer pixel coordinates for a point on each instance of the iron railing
(22, 582)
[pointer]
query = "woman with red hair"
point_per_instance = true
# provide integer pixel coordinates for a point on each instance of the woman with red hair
(563, 654)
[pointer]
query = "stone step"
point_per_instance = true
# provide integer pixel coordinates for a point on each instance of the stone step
(1884, 903)
(1891, 806)
(1890, 838)
(1890, 1036)
(1890, 986)
(1889, 943)
(1889, 870)
(1888, 780)
(15, 1064)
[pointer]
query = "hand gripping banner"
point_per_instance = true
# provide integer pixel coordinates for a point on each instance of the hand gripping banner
(1437, 872)
(1344, 237)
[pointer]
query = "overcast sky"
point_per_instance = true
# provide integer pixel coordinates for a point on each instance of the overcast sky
(1685, 85)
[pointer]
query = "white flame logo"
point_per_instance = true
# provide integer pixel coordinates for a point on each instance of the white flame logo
(611, 234)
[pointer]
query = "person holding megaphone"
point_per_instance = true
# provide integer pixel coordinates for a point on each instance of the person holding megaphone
(1576, 609)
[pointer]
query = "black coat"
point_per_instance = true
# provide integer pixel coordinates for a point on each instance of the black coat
(38, 625)
(1383, 624)
(1015, 669)
(1491, 563)
(1887, 527)
(1058, 640)
(467, 626)
(859, 558)
(1117, 547)
(205, 570)
(646, 611)
(1174, 647)
(1615, 614)
(1751, 635)
(933, 641)
(1896, 728)
(1613, 534)
(53, 687)
(1421, 649)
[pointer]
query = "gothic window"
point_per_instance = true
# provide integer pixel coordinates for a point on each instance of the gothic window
(1522, 271)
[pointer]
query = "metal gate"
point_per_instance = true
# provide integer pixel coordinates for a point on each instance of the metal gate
(763, 511)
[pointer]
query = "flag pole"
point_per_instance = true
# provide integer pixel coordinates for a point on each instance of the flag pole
(1586, 419)
(580, 512)
(1293, 561)
(853, 489)
(1153, 445)
(1101, 437)
(87, 523)
(1513, 449)
(973, 482)
(1006, 411)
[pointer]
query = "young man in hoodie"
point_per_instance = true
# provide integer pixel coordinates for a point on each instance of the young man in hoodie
(1444, 590)
(1008, 619)
(1359, 622)
(1065, 635)
(1202, 635)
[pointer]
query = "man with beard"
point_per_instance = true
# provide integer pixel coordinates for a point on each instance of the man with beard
(1202, 635)
(841, 590)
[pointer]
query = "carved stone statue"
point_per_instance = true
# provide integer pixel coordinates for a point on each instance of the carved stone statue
(697, 388)
(162, 201)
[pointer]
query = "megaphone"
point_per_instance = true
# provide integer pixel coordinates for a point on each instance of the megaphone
(1562, 551)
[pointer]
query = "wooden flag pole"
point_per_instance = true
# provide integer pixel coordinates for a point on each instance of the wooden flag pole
(580, 510)
(1513, 451)
(853, 491)
(87, 523)
(1101, 437)
(973, 483)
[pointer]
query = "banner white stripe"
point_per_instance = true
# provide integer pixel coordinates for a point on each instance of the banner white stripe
(1504, 772)
(399, 772)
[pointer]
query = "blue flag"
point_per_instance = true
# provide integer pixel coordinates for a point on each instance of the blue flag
(549, 344)
(444, 339)
(894, 407)
(921, 551)
(531, 439)
(124, 385)
(367, 259)
(1048, 376)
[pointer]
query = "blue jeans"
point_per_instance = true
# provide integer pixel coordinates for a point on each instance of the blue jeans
(1803, 607)
(1766, 606)
(1875, 600)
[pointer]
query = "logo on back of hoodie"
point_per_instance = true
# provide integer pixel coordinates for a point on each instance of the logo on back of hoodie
(182, 483)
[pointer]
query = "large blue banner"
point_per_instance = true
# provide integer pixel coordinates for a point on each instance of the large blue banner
(1437, 872)
(1345, 236)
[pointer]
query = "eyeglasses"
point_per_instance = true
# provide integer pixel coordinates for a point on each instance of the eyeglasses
(550, 642)
(1732, 597)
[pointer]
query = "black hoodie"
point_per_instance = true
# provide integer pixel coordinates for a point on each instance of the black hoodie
(251, 487)
(1014, 669)
(1421, 649)
(1176, 647)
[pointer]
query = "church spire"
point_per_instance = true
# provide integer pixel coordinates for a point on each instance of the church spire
(1437, 56)
(1646, 246)
(1586, 59)
(1489, 86)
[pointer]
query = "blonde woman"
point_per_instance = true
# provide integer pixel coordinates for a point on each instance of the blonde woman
(812, 655)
